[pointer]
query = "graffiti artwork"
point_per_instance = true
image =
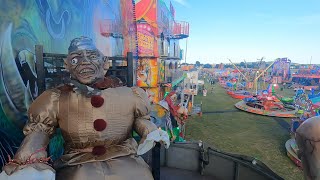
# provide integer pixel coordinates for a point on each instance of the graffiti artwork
(147, 73)
(162, 71)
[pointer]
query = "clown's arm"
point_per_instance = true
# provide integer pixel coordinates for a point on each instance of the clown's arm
(40, 126)
(144, 127)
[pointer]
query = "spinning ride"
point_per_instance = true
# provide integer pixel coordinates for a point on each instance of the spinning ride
(306, 110)
(266, 104)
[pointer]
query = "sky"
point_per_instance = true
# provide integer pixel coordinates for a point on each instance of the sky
(250, 29)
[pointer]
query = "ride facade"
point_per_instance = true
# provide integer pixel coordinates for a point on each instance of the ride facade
(159, 55)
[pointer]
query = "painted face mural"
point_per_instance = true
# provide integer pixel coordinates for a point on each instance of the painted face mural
(85, 62)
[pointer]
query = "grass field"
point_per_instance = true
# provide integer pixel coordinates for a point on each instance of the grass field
(235, 131)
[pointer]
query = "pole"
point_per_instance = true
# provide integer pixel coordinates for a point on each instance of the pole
(238, 70)
(257, 77)
(192, 99)
(185, 55)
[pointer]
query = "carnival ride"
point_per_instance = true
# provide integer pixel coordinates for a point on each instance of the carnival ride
(241, 94)
(281, 71)
(201, 163)
(314, 97)
(237, 89)
(267, 106)
(265, 102)
(306, 110)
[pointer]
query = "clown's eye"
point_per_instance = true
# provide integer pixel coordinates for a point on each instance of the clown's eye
(74, 61)
(93, 56)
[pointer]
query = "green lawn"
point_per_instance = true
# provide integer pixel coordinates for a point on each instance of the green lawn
(243, 133)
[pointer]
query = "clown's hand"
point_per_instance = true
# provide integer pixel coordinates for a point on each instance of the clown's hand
(151, 139)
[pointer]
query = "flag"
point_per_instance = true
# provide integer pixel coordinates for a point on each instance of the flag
(172, 10)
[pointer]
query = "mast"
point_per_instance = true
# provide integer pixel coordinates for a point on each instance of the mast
(238, 70)
(257, 77)
(185, 55)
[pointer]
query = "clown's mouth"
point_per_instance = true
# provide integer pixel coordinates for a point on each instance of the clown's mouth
(86, 72)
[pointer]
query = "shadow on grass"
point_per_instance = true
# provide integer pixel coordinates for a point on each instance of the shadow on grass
(224, 111)
(284, 124)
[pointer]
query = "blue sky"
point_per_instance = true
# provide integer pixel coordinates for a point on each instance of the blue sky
(251, 29)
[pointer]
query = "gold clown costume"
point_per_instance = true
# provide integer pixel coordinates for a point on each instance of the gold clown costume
(96, 116)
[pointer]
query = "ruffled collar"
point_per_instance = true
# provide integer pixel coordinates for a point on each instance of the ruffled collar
(95, 89)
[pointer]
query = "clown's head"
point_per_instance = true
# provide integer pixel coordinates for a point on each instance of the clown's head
(85, 62)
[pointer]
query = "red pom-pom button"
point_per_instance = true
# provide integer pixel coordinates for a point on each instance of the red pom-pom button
(97, 101)
(99, 125)
(99, 150)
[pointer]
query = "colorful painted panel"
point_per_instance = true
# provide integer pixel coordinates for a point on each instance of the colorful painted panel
(147, 72)
(129, 27)
(147, 27)
(153, 94)
(147, 43)
(162, 71)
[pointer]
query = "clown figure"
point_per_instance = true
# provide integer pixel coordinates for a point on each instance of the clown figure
(96, 117)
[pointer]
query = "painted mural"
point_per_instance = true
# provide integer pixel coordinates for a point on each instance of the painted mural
(147, 27)
(147, 72)
(53, 24)
(162, 71)
(153, 95)
(129, 28)
(147, 43)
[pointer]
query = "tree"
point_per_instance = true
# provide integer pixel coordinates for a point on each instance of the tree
(242, 64)
(207, 66)
(198, 63)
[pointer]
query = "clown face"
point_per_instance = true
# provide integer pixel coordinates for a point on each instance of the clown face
(84, 62)
(85, 66)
